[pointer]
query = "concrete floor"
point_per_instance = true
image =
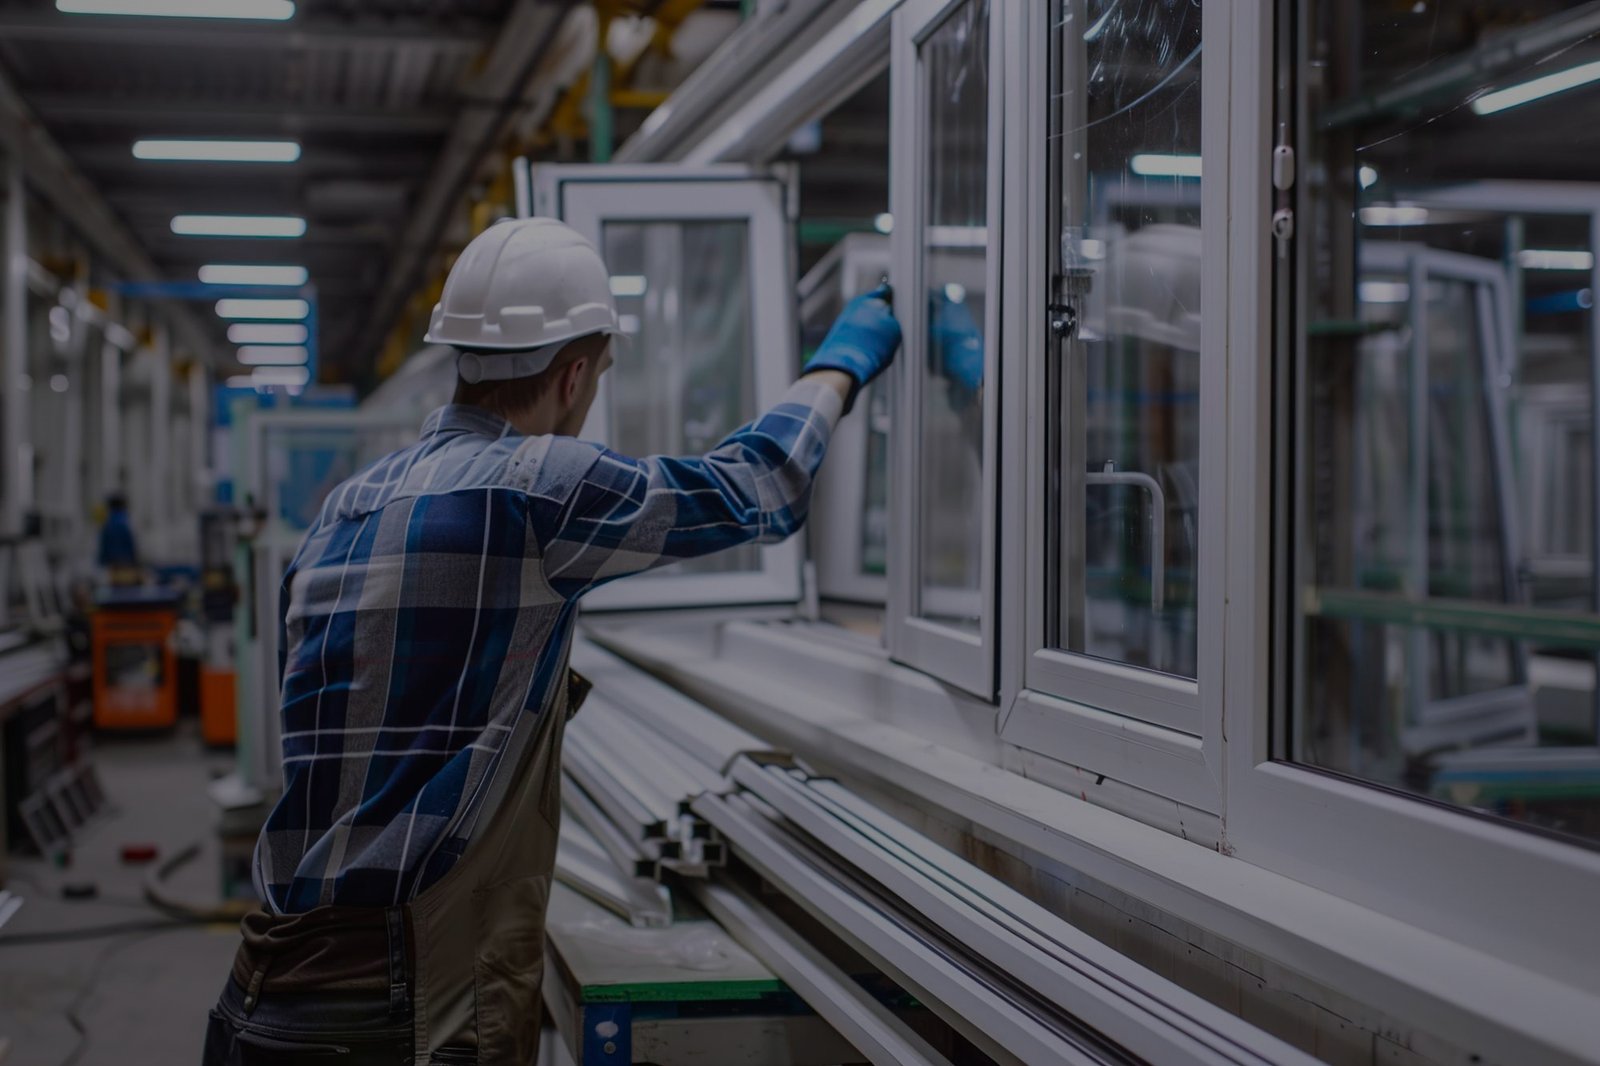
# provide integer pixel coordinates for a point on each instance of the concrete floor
(141, 997)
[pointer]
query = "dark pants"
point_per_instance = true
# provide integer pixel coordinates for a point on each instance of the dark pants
(351, 1029)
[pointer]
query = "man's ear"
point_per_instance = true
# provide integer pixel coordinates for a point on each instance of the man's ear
(571, 380)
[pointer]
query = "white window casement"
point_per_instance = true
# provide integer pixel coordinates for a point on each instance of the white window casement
(702, 265)
(1116, 336)
(945, 155)
(850, 506)
(1515, 895)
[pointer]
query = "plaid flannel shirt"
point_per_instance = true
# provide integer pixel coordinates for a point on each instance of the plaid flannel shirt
(431, 604)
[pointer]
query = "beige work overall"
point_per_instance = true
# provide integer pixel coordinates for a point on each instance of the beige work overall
(475, 938)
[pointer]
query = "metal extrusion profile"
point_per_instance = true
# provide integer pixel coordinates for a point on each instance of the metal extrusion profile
(621, 806)
(626, 854)
(1000, 1027)
(1140, 1010)
(582, 865)
(697, 730)
(870, 1027)
(657, 771)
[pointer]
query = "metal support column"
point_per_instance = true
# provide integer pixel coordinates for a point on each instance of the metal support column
(18, 457)
(1594, 443)
(160, 483)
(112, 472)
(602, 125)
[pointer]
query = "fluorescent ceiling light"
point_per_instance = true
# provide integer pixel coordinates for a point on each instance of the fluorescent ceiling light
(1385, 292)
(1369, 177)
(1554, 259)
(266, 333)
(884, 223)
(271, 10)
(628, 284)
(1152, 165)
(279, 375)
(238, 226)
(286, 309)
(244, 274)
(272, 355)
(1393, 215)
(202, 151)
(1537, 89)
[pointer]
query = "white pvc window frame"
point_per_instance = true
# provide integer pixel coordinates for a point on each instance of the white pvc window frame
(587, 198)
(1465, 878)
(963, 659)
(1155, 731)
(838, 510)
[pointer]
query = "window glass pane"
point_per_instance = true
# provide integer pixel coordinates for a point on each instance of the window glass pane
(952, 245)
(1442, 546)
(683, 376)
(1124, 387)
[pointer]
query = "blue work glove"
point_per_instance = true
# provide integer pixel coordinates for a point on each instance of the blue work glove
(862, 342)
(957, 342)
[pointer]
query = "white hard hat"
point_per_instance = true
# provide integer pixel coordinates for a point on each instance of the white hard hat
(520, 291)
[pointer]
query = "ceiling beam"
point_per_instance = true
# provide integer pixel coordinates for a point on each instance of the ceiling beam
(158, 114)
(302, 34)
(529, 29)
(57, 180)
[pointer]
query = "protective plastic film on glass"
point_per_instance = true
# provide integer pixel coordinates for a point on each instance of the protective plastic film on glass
(682, 378)
(1442, 603)
(1123, 376)
(953, 245)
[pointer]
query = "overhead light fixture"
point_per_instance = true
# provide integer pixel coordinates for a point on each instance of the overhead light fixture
(238, 226)
(628, 284)
(245, 274)
(277, 309)
(1153, 165)
(1385, 292)
(1537, 89)
(1555, 259)
(207, 151)
(268, 10)
(884, 223)
(1393, 215)
(272, 355)
(1368, 176)
(266, 333)
(282, 376)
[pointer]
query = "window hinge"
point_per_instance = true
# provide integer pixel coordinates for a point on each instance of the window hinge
(1283, 168)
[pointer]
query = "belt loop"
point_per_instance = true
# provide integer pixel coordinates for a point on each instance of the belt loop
(252, 994)
(394, 919)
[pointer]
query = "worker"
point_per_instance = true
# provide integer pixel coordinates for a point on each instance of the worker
(118, 556)
(427, 620)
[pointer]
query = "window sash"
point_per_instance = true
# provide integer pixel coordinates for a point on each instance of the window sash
(587, 198)
(1081, 695)
(963, 659)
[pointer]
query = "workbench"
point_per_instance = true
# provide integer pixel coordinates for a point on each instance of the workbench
(680, 995)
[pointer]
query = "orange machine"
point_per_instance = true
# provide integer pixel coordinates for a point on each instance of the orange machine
(135, 668)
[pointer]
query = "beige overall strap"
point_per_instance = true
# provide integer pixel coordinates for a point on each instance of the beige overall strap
(478, 933)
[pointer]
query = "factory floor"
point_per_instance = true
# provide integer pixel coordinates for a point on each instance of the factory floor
(134, 997)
